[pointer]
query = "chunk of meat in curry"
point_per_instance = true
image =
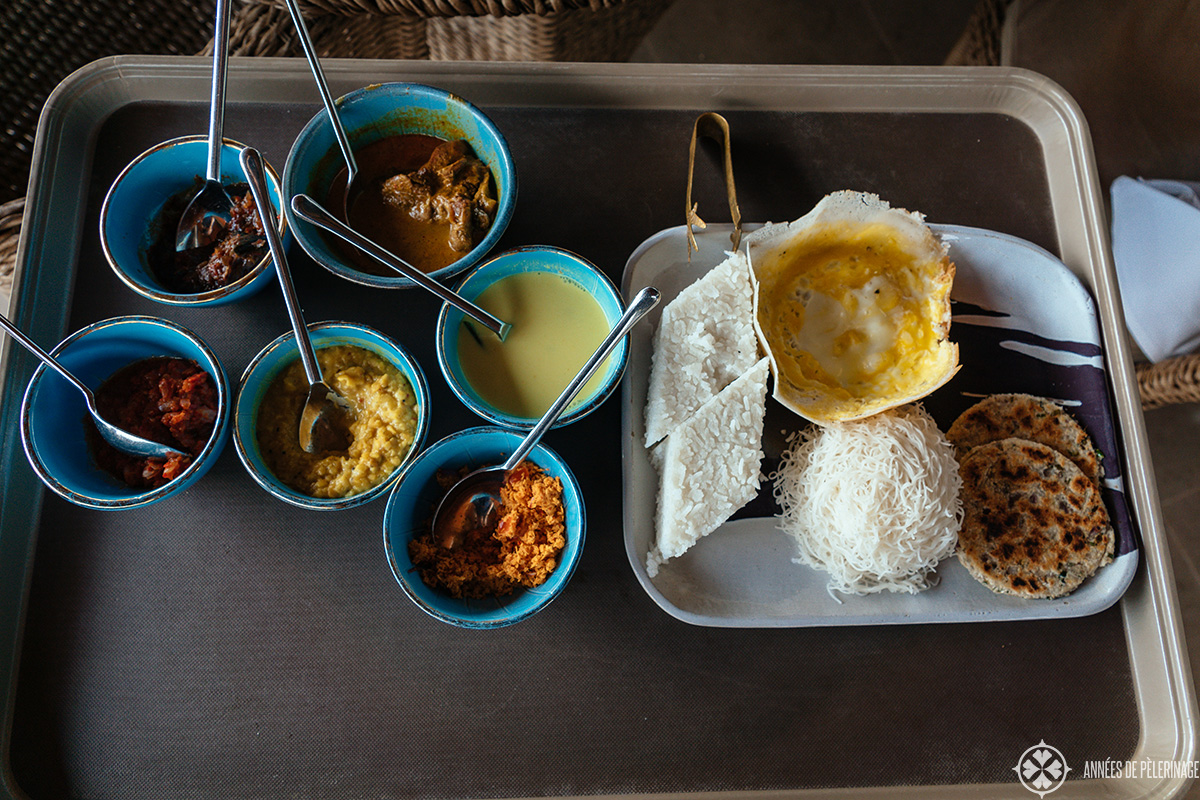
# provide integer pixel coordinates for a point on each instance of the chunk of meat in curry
(452, 186)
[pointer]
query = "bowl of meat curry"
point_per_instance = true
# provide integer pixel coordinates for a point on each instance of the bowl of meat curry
(141, 213)
(435, 186)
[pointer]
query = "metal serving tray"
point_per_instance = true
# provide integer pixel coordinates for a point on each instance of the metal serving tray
(222, 644)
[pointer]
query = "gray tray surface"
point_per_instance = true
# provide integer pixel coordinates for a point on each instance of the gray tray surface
(224, 644)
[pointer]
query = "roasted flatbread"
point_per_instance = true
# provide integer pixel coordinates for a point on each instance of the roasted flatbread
(1034, 525)
(1024, 416)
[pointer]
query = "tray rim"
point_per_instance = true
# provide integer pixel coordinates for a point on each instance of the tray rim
(1150, 609)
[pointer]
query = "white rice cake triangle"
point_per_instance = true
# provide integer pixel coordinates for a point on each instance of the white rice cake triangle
(709, 466)
(705, 339)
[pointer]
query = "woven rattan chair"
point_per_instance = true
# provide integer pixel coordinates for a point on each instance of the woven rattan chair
(10, 232)
(448, 30)
(42, 42)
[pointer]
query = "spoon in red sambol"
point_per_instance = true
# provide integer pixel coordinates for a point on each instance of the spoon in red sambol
(118, 437)
(472, 501)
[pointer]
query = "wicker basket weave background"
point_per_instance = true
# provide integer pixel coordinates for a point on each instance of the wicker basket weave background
(450, 30)
(11, 214)
(43, 41)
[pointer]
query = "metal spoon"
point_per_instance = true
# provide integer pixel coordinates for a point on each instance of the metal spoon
(472, 501)
(310, 210)
(339, 132)
(325, 419)
(119, 438)
(207, 214)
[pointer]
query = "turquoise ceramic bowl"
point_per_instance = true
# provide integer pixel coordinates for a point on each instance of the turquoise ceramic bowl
(278, 355)
(560, 262)
(411, 505)
(374, 113)
(53, 412)
(129, 217)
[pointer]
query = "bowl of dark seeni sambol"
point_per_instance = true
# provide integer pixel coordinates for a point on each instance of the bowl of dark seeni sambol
(141, 213)
(388, 422)
(150, 376)
(504, 570)
(436, 184)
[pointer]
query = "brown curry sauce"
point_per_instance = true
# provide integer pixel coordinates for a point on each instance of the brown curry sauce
(430, 228)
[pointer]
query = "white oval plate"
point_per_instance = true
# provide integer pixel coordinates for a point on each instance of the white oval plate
(1023, 322)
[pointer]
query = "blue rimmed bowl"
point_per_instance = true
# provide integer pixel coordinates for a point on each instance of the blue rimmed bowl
(410, 507)
(377, 112)
(131, 217)
(273, 359)
(556, 261)
(54, 414)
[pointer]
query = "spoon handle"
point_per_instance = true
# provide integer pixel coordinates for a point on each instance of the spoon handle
(310, 210)
(314, 66)
(253, 167)
(642, 302)
(216, 116)
(43, 356)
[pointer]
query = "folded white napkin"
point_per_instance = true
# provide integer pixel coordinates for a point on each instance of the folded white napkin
(1156, 248)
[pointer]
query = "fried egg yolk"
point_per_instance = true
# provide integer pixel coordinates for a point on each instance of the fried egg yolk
(853, 318)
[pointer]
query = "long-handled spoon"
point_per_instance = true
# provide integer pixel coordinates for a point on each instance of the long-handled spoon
(310, 210)
(471, 502)
(207, 213)
(325, 419)
(119, 438)
(339, 132)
